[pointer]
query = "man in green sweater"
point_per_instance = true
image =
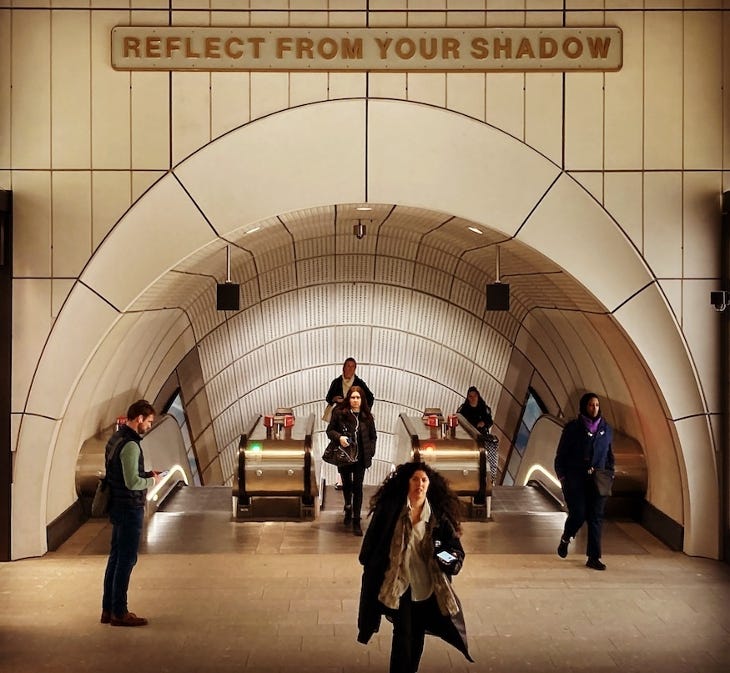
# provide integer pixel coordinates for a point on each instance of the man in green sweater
(129, 482)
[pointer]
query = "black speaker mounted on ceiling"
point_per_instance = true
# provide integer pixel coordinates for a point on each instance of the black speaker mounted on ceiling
(497, 297)
(228, 297)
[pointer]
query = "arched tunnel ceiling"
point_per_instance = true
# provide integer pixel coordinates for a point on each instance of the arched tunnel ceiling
(408, 299)
(452, 247)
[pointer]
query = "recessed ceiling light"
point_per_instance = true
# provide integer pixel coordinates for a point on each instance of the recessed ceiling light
(475, 230)
(251, 231)
(363, 208)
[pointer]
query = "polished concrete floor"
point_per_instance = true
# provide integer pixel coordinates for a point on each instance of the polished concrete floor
(282, 596)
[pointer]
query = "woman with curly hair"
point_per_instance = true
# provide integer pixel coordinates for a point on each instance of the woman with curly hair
(410, 552)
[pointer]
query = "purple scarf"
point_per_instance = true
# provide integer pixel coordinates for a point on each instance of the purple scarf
(591, 423)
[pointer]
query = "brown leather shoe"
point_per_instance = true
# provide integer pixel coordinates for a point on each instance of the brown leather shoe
(106, 616)
(130, 619)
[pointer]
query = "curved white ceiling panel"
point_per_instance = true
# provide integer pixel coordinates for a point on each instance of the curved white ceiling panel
(432, 158)
(645, 316)
(108, 381)
(155, 234)
(701, 513)
(296, 159)
(79, 329)
(572, 230)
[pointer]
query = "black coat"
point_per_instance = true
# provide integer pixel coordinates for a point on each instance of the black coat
(336, 390)
(343, 422)
(579, 450)
(481, 412)
(374, 557)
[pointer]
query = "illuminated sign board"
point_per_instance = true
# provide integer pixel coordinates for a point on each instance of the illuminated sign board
(366, 49)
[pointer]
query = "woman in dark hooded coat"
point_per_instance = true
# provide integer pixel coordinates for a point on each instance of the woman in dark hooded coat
(584, 447)
(410, 552)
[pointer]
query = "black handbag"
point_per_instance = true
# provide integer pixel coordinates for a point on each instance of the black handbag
(603, 480)
(100, 503)
(336, 455)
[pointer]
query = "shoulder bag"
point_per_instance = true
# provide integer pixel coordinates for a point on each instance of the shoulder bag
(334, 454)
(100, 504)
(604, 481)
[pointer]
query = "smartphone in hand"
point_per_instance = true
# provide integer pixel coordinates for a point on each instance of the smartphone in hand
(446, 557)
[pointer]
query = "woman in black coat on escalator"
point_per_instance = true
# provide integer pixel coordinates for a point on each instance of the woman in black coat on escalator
(353, 428)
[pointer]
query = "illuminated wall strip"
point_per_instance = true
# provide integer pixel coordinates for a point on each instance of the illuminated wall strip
(152, 494)
(542, 471)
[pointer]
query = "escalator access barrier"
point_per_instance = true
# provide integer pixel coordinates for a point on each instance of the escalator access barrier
(276, 475)
(450, 447)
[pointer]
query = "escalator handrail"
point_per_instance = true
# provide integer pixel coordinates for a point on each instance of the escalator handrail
(242, 458)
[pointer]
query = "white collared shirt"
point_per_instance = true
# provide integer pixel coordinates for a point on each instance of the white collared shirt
(346, 385)
(416, 566)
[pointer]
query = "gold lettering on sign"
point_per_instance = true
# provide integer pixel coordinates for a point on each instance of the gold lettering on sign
(212, 47)
(130, 47)
(282, 49)
(548, 47)
(572, 47)
(352, 49)
(598, 47)
(451, 48)
(428, 47)
(479, 48)
(405, 48)
(525, 49)
(383, 45)
(172, 45)
(152, 47)
(503, 49)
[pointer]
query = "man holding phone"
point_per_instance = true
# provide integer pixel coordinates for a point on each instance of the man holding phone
(129, 482)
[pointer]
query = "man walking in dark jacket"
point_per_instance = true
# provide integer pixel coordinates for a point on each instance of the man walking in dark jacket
(129, 482)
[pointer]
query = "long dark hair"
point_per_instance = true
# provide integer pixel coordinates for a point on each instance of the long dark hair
(364, 406)
(394, 490)
(481, 404)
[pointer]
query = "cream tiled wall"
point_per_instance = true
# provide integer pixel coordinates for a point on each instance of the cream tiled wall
(87, 152)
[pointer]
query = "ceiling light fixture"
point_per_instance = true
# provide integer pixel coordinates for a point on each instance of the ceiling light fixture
(364, 208)
(475, 230)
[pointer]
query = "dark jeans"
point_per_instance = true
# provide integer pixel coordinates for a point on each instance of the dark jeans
(126, 533)
(410, 623)
(584, 506)
(352, 478)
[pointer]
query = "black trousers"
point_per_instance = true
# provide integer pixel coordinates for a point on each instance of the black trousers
(352, 478)
(126, 533)
(585, 505)
(410, 622)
